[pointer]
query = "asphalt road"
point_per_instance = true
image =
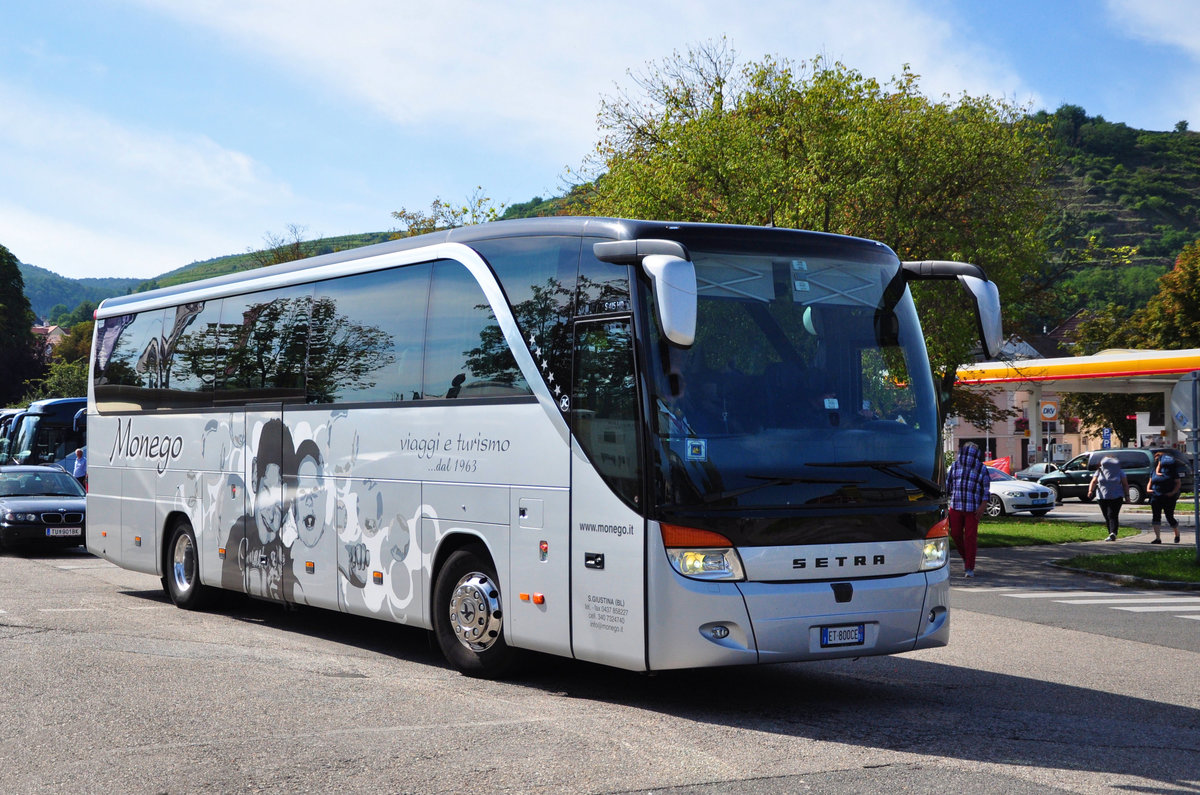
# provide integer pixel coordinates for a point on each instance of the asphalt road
(107, 687)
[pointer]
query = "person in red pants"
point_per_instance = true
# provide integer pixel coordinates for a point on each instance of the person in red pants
(967, 486)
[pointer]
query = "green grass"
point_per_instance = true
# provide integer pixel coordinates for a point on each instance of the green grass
(1168, 565)
(1020, 531)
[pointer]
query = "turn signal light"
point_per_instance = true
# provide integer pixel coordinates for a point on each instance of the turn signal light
(701, 554)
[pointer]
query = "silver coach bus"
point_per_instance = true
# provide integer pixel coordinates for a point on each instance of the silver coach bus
(644, 444)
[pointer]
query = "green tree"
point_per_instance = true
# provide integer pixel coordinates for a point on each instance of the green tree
(822, 147)
(56, 312)
(63, 378)
(443, 215)
(18, 350)
(76, 346)
(1171, 319)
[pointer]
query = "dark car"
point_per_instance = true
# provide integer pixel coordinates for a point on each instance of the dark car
(41, 504)
(1072, 479)
(1035, 472)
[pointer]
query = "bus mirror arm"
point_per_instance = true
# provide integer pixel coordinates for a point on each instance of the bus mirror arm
(983, 292)
(630, 252)
(674, 282)
(672, 275)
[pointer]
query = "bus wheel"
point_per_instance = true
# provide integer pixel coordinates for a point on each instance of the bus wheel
(181, 578)
(468, 616)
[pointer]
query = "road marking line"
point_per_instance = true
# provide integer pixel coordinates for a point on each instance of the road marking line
(1195, 617)
(1153, 608)
(1184, 600)
(1056, 594)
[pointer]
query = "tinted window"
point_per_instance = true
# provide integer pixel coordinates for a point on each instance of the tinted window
(603, 286)
(263, 337)
(466, 354)
(367, 336)
(129, 367)
(191, 345)
(538, 275)
(1130, 459)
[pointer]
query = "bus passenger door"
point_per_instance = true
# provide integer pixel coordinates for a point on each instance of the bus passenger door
(607, 532)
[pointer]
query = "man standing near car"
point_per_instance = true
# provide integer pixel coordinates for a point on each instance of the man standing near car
(79, 469)
(967, 485)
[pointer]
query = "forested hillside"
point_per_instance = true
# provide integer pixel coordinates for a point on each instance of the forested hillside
(232, 263)
(1128, 202)
(51, 295)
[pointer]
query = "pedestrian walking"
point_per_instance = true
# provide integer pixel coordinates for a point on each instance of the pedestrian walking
(1110, 488)
(1164, 493)
(968, 486)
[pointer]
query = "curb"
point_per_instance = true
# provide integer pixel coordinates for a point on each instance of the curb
(1127, 579)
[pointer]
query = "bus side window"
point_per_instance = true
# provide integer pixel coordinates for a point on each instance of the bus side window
(128, 372)
(367, 337)
(466, 355)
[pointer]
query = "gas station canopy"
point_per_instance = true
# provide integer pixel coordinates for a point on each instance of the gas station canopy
(1120, 371)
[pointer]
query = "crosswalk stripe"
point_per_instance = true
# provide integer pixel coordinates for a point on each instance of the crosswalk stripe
(1178, 600)
(1153, 608)
(1059, 594)
(1195, 617)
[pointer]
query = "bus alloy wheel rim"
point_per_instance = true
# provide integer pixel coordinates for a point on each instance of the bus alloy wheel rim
(475, 613)
(184, 564)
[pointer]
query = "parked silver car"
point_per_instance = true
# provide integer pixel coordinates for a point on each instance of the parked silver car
(1035, 471)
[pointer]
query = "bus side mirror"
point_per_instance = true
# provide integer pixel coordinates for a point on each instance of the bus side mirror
(987, 308)
(674, 281)
(982, 290)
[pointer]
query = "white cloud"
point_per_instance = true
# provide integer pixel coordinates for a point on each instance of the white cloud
(471, 90)
(526, 76)
(1171, 24)
(80, 250)
(1160, 22)
(146, 197)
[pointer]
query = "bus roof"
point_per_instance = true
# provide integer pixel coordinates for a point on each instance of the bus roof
(576, 226)
(55, 405)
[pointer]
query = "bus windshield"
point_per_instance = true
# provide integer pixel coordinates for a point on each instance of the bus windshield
(41, 440)
(807, 388)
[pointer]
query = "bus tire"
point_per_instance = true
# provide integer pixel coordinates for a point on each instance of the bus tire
(181, 572)
(468, 616)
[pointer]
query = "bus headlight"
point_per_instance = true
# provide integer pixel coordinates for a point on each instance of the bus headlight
(702, 554)
(937, 546)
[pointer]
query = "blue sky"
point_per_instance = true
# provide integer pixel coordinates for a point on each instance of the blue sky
(137, 136)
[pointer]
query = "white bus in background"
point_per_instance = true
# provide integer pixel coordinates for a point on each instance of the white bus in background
(643, 444)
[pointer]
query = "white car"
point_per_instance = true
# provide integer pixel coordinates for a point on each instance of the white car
(1010, 495)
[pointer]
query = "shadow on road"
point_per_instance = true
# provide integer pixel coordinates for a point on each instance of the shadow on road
(893, 703)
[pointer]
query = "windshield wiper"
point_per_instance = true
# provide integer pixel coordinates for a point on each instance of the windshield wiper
(894, 468)
(770, 480)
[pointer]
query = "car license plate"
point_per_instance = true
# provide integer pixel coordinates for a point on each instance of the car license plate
(1039, 502)
(63, 531)
(850, 635)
